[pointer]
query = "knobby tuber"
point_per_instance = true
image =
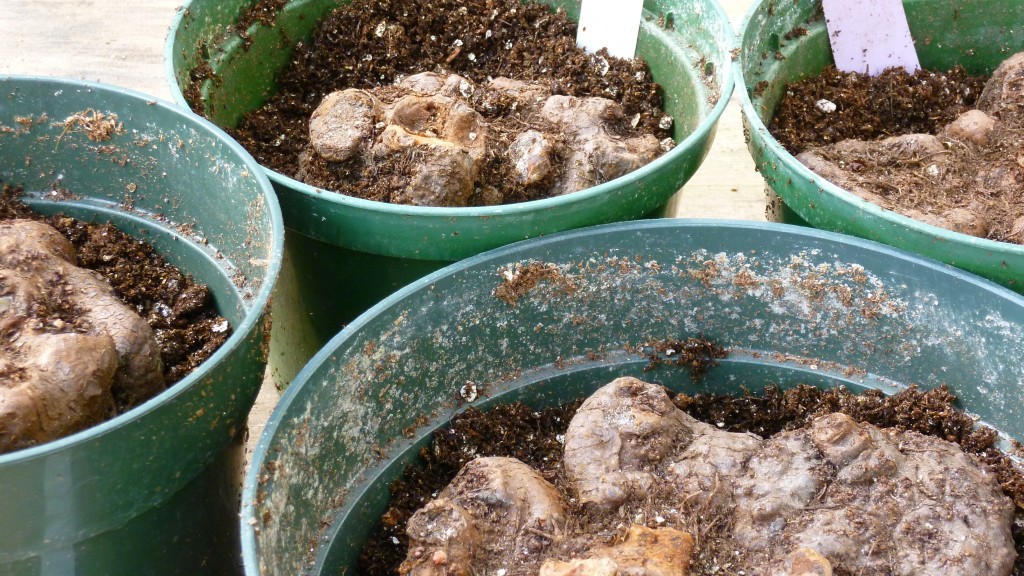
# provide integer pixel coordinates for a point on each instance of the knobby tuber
(71, 353)
(837, 494)
(494, 504)
(429, 128)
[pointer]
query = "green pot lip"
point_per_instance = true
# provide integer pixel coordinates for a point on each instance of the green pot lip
(759, 131)
(504, 254)
(343, 202)
(256, 309)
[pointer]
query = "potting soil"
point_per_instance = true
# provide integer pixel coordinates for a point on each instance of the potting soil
(536, 438)
(186, 325)
(367, 45)
(943, 148)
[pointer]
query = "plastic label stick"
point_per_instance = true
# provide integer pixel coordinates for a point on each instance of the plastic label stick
(870, 36)
(611, 24)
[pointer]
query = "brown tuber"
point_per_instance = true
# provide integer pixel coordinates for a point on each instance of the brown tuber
(834, 490)
(72, 354)
(837, 496)
(427, 128)
(1006, 87)
(973, 126)
(643, 552)
(618, 437)
(493, 504)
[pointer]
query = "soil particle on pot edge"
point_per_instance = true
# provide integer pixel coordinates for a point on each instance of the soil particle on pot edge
(536, 438)
(368, 45)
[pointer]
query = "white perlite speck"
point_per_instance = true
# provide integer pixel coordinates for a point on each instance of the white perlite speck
(826, 106)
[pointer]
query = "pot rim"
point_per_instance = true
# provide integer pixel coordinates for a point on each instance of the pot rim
(239, 332)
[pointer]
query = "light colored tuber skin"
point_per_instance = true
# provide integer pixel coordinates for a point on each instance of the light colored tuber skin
(595, 154)
(849, 494)
(531, 154)
(963, 220)
(63, 371)
(1005, 88)
(874, 501)
(493, 504)
(706, 469)
(443, 539)
(643, 552)
(1017, 230)
(428, 123)
(838, 164)
(425, 121)
(617, 438)
(341, 124)
(973, 126)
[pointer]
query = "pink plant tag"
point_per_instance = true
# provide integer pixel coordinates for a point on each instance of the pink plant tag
(870, 35)
(611, 24)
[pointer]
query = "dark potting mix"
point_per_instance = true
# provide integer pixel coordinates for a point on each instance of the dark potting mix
(795, 481)
(942, 147)
(93, 322)
(452, 103)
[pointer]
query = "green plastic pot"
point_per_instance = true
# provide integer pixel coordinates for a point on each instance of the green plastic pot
(792, 305)
(344, 254)
(976, 34)
(155, 490)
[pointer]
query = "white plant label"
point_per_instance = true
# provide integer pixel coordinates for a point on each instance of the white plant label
(870, 35)
(611, 24)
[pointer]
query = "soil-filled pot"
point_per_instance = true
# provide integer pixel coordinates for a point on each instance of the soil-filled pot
(782, 42)
(549, 320)
(345, 254)
(153, 490)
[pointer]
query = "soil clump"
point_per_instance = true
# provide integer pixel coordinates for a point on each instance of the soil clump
(74, 283)
(372, 45)
(943, 149)
(856, 433)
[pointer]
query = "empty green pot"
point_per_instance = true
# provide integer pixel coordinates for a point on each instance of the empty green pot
(792, 305)
(154, 490)
(976, 34)
(345, 254)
